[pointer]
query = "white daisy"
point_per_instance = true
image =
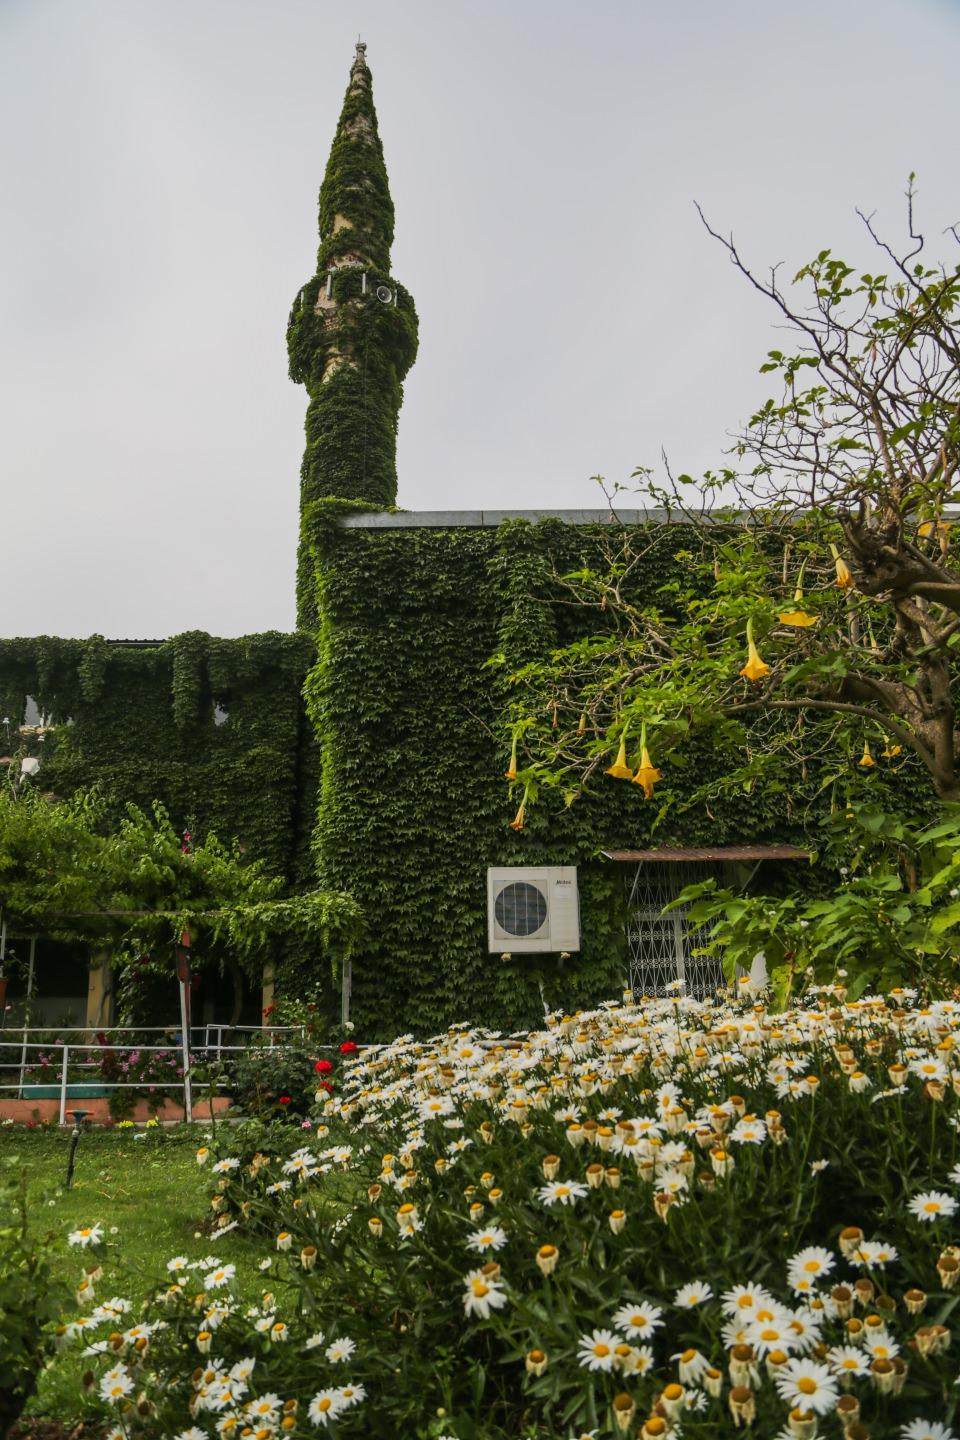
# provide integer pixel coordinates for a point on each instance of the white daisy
(265, 1408)
(87, 1235)
(743, 1300)
(324, 1407)
(221, 1276)
(926, 1430)
(642, 1359)
(807, 1386)
(340, 1350)
(695, 1293)
(749, 1132)
(562, 1192)
(881, 1347)
(638, 1321)
(932, 1205)
(812, 1263)
(874, 1252)
(352, 1394)
(597, 1351)
(115, 1384)
(772, 1333)
(847, 1361)
(493, 1238)
(482, 1294)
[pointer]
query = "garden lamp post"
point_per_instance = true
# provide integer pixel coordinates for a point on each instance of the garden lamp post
(78, 1118)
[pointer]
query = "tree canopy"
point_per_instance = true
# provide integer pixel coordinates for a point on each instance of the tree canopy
(815, 613)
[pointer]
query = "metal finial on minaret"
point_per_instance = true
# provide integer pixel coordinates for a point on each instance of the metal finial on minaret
(361, 56)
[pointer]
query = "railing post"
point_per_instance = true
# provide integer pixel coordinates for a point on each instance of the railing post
(26, 1011)
(63, 1083)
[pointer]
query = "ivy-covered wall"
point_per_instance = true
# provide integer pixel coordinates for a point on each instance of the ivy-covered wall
(141, 722)
(371, 759)
(413, 805)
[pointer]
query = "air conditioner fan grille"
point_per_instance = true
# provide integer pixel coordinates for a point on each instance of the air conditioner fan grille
(520, 909)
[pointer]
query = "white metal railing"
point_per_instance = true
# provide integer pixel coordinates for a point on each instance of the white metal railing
(67, 1051)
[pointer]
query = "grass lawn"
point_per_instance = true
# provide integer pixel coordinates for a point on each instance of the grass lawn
(155, 1194)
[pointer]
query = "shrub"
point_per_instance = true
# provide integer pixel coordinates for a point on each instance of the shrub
(277, 1075)
(643, 1219)
(273, 1079)
(30, 1300)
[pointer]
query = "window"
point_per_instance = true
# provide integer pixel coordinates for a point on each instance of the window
(660, 947)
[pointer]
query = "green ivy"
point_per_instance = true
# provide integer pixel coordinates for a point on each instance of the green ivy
(138, 722)
(349, 347)
(413, 805)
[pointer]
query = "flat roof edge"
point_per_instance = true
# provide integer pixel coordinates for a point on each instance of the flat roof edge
(489, 519)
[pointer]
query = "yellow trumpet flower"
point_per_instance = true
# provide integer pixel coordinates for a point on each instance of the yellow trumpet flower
(934, 527)
(866, 759)
(891, 751)
(844, 578)
(582, 727)
(517, 822)
(511, 772)
(647, 775)
(620, 770)
(797, 618)
(755, 668)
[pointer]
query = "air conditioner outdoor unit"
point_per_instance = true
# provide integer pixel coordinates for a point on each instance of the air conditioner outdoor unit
(532, 908)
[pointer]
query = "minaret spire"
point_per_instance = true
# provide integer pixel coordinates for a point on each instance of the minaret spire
(352, 334)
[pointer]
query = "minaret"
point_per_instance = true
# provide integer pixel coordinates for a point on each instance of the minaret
(352, 333)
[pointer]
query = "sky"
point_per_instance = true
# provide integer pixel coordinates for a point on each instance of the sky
(158, 182)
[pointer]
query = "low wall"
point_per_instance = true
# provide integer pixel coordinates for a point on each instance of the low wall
(98, 1110)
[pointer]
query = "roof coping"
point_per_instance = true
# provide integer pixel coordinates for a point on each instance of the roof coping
(489, 519)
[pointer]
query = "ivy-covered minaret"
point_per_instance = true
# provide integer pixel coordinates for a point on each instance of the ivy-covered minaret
(352, 334)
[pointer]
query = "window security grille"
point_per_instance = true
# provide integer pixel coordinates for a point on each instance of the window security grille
(659, 947)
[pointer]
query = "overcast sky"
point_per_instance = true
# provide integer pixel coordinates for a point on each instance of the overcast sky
(159, 170)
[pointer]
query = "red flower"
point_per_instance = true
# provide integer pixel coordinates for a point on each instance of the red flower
(323, 1067)
(269, 1010)
(325, 1085)
(284, 1100)
(349, 1047)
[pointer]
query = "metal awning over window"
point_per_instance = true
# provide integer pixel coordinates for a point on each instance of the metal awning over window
(716, 854)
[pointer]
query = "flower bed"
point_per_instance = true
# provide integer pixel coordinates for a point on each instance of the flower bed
(648, 1220)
